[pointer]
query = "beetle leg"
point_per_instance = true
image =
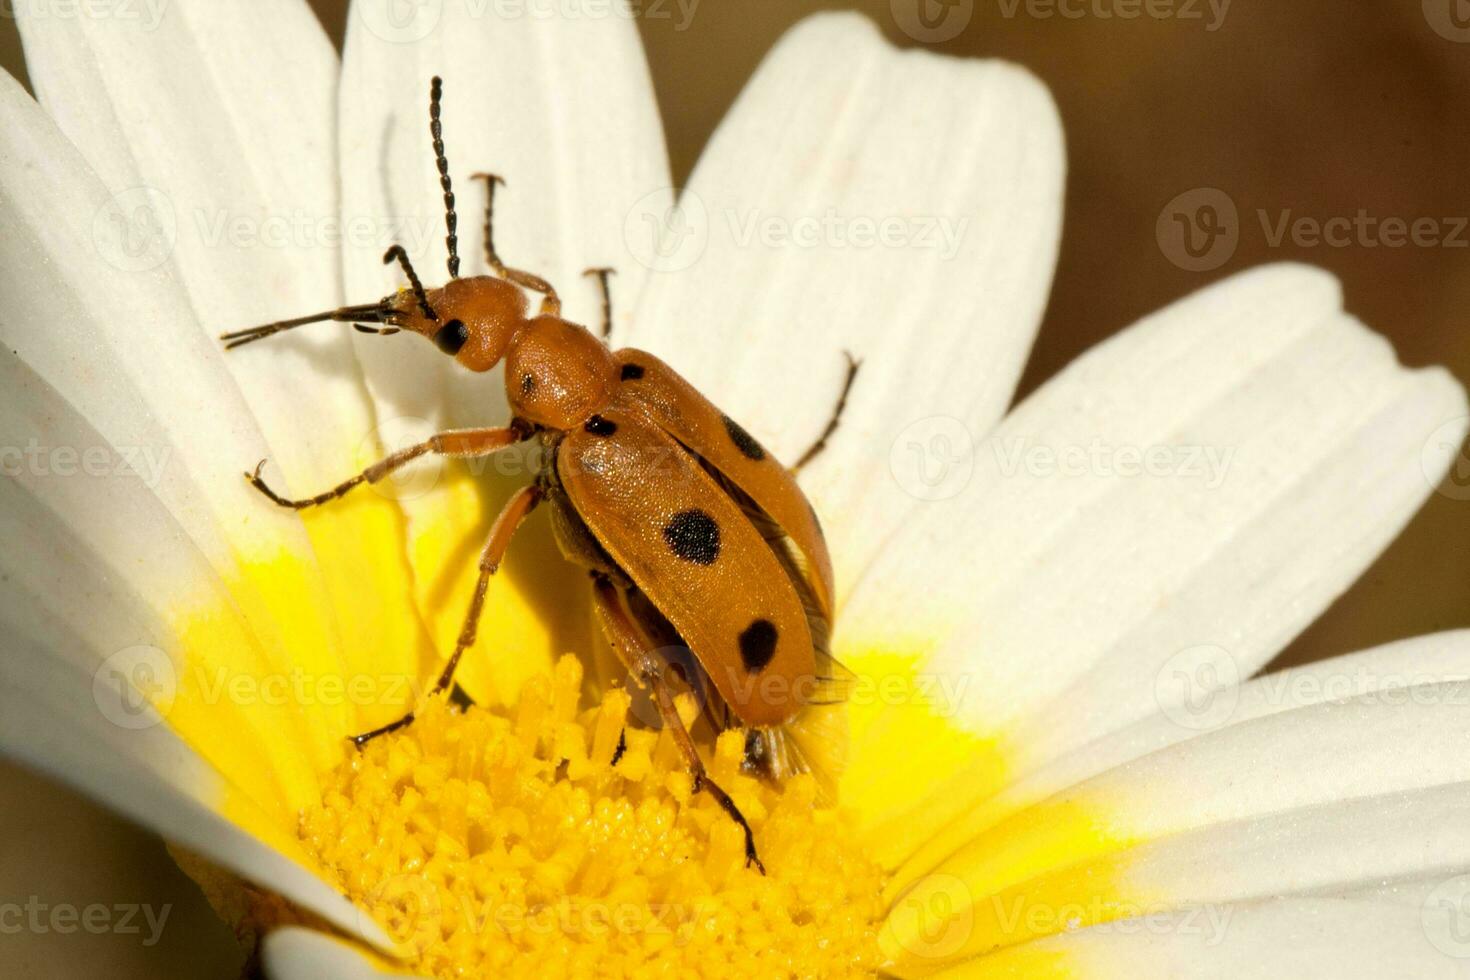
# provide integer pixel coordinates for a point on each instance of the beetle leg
(852, 369)
(602, 275)
(628, 640)
(550, 303)
(511, 515)
(456, 442)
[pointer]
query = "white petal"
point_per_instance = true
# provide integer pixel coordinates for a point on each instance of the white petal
(108, 682)
(1318, 850)
(154, 779)
(93, 549)
(124, 349)
(1388, 670)
(222, 117)
(959, 164)
(1395, 931)
(1058, 589)
(227, 111)
(82, 651)
(560, 105)
(304, 954)
(1321, 799)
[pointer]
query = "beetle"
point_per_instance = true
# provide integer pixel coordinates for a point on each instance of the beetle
(693, 534)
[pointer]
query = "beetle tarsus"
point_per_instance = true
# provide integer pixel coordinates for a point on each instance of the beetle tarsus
(701, 781)
(254, 479)
(359, 741)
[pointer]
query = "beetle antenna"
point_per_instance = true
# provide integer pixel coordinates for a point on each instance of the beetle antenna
(398, 252)
(369, 312)
(436, 130)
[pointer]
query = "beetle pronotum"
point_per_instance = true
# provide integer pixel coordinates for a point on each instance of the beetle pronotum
(689, 529)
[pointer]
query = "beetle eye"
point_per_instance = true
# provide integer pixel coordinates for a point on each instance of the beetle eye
(452, 336)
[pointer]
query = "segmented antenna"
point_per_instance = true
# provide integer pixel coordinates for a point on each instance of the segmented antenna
(436, 130)
(370, 313)
(398, 252)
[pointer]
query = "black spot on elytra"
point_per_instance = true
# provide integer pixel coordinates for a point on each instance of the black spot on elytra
(599, 426)
(452, 336)
(758, 645)
(631, 372)
(694, 536)
(528, 383)
(744, 441)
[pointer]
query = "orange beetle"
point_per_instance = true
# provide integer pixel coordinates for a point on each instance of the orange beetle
(693, 534)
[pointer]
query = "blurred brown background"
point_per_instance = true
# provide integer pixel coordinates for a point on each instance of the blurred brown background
(1317, 106)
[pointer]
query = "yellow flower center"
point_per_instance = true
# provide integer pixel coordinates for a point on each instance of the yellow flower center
(512, 845)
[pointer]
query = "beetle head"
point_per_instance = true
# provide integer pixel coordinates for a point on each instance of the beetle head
(473, 319)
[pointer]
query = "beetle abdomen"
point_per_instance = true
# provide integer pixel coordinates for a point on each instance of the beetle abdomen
(697, 556)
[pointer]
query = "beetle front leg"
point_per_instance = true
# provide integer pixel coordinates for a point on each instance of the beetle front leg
(634, 650)
(511, 515)
(458, 443)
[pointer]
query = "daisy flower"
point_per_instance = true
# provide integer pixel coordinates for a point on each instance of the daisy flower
(1057, 763)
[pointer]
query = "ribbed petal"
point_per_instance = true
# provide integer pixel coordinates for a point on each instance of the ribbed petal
(1404, 929)
(301, 954)
(1048, 603)
(900, 206)
(99, 684)
(222, 118)
(144, 581)
(125, 352)
(1387, 670)
(1326, 798)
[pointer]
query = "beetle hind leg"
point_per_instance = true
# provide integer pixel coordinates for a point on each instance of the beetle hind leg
(603, 273)
(628, 640)
(852, 369)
